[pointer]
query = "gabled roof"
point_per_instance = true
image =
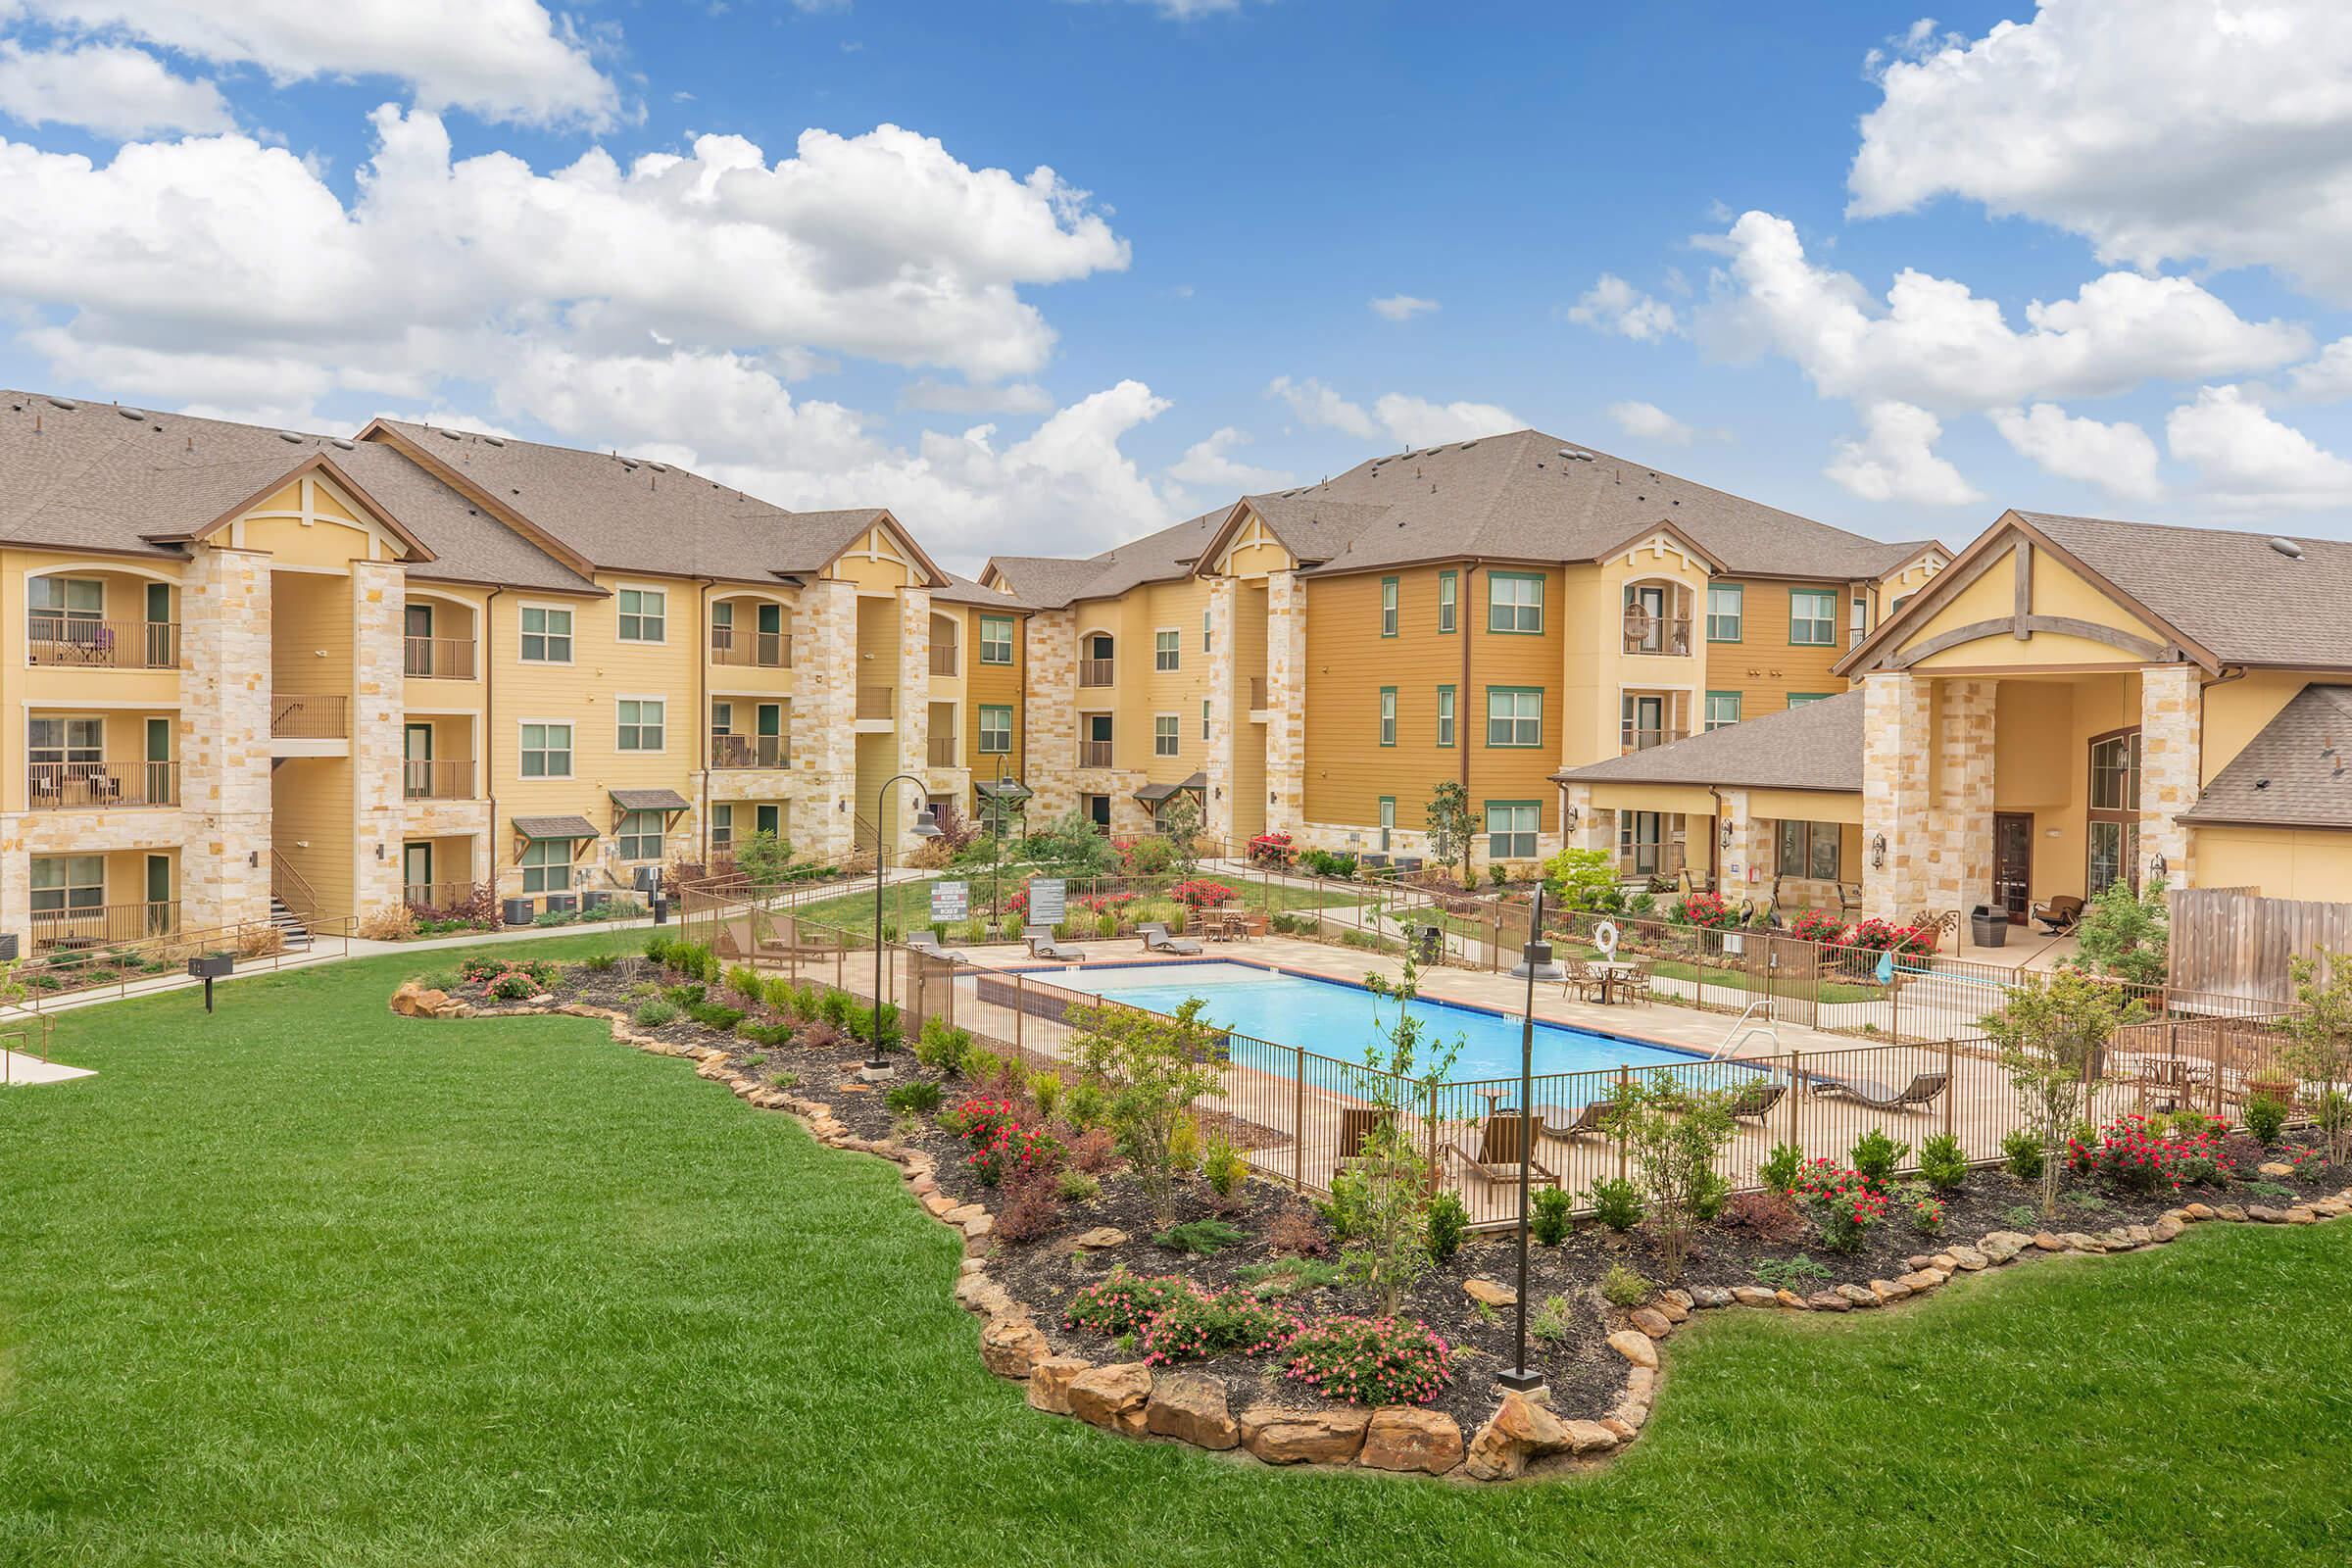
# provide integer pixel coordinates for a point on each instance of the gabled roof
(965, 591)
(1052, 581)
(2293, 774)
(1814, 746)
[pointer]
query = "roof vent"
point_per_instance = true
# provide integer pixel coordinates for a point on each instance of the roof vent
(1467, 445)
(494, 440)
(2287, 548)
(290, 435)
(659, 467)
(453, 435)
(67, 404)
(133, 413)
(346, 443)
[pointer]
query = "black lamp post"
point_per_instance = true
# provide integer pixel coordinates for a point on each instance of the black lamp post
(926, 826)
(1535, 964)
(998, 798)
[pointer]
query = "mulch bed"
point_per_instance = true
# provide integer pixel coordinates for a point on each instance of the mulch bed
(1585, 1376)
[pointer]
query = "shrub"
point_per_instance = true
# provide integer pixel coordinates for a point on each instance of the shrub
(1002, 1147)
(653, 1014)
(1033, 1208)
(1448, 1224)
(1120, 1303)
(1202, 1237)
(1926, 1212)
(1084, 1106)
(1290, 1276)
(1198, 1325)
(1843, 1205)
(600, 962)
(1549, 1224)
(1788, 1273)
(1875, 1156)
(1943, 1165)
(942, 1047)
(1553, 1322)
(439, 980)
(1616, 1203)
(1781, 1167)
(712, 1017)
(513, 986)
(1184, 1146)
(1824, 926)
(1223, 1166)
(2022, 1155)
(2126, 1156)
(481, 969)
(2266, 1117)
(1093, 1151)
(1673, 1135)
(746, 983)
(1370, 1360)
(1769, 1216)
(764, 1034)
(1623, 1287)
(1077, 1187)
(1162, 1064)
(919, 1096)
(1045, 1088)
(1293, 1234)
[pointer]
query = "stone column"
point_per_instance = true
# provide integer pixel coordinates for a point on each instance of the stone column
(913, 712)
(1897, 747)
(1751, 849)
(1286, 702)
(224, 738)
(380, 707)
(824, 720)
(2171, 763)
(1223, 719)
(1049, 730)
(1596, 826)
(1960, 854)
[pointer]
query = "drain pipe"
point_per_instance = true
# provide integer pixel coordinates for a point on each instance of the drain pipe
(489, 656)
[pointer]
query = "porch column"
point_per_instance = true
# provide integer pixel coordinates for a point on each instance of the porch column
(1286, 702)
(224, 738)
(1596, 826)
(1216, 813)
(1897, 747)
(1747, 863)
(824, 713)
(2171, 761)
(379, 706)
(1050, 721)
(1960, 854)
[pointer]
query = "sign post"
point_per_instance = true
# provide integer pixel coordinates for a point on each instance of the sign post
(950, 904)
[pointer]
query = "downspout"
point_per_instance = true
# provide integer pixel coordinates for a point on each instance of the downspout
(701, 704)
(1462, 704)
(490, 732)
(1715, 841)
(2229, 673)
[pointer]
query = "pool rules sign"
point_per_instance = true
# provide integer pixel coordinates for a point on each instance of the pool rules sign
(951, 903)
(1047, 900)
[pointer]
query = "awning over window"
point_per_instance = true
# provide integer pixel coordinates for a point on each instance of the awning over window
(553, 827)
(650, 801)
(1154, 794)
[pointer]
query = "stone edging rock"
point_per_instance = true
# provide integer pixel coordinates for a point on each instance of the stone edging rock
(1130, 1399)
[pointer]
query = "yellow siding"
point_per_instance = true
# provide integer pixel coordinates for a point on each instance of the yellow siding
(311, 825)
(2279, 863)
(993, 686)
(2236, 712)
(2057, 591)
(1764, 667)
(2042, 763)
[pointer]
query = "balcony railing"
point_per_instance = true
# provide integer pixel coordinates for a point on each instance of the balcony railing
(300, 717)
(438, 778)
(105, 925)
(1649, 859)
(1093, 671)
(438, 895)
(440, 657)
(1645, 633)
(946, 751)
(751, 650)
(750, 751)
(1633, 738)
(943, 658)
(1258, 692)
(102, 644)
(87, 786)
(877, 702)
(1094, 753)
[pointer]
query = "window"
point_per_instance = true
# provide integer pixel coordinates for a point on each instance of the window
(1445, 716)
(644, 615)
(1165, 741)
(722, 826)
(547, 751)
(1808, 850)
(57, 604)
(996, 731)
(1168, 647)
(768, 820)
(1859, 621)
(1514, 715)
(1896, 607)
(1448, 588)
(546, 635)
(640, 724)
(996, 639)
(1387, 607)
(1514, 602)
(1812, 618)
(1725, 603)
(640, 835)
(1801, 699)
(1388, 716)
(546, 866)
(1204, 638)
(1512, 829)
(2114, 811)
(56, 742)
(722, 625)
(1723, 708)
(1641, 843)
(61, 882)
(723, 718)
(1204, 720)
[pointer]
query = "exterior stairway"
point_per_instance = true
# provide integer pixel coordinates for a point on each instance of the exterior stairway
(290, 929)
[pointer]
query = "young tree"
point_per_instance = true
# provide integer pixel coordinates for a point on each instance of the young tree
(1070, 846)
(2123, 935)
(1453, 830)
(1180, 822)
(2052, 1034)
(1395, 1184)
(1582, 879)
(763, 858)
(2321, 1053)
(1155, 1068)
(1673, 1135)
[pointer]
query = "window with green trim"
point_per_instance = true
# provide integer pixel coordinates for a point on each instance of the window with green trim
(1726, 602)
(1448, 588)
(1167, 734)
(639, 836)
(1511, 828)
(1515, 600)
(1514, 715)
(1445, 716)
(1723, 709)
(1388, 716)
(995, 730)
(1387, 607)
(1801, 699)
(1812, 618)
(996, 639)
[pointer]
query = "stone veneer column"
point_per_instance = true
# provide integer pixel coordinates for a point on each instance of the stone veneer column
(913, 712)
(1959, 872)
(224, 738)
(379, 709)
(1897, 748)
(1286, 702)
(1050, 721)
(824, 720)
(1746, 863)
(2171, 763)
(1596, 826)
(1223, 721)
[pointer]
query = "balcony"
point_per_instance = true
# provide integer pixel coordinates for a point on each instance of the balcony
(99, 786)
(105, 925)
(438, 779)
(751, 650)
(1635, 861)
(76, 644)
(750, 751)
(1094, 753)
(1632, 739)
(877, 702)
(946, 751)
(301, 716)
(1645, 633)
(439, 658)
(1095, 671)
(943, 659)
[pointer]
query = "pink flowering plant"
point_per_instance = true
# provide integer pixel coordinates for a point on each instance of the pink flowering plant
(2129, 1155)
(1120, 1303)
(1197, 1325)
(1843, 1205)
(1002, 1149)
(1370, 1360)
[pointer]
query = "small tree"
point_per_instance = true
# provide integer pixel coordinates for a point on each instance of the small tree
(2123, 935)
(1180, 821)
(1070, 846)
(763, 858)
(1453, 830)
(1582, 879)
(2321, 1053)
(1395, 1184)
(1156, 1066)
(1673, 1135)
(2051, 1035)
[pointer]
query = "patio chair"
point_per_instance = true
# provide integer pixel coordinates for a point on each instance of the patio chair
(1755, 1102)
(1588, 983)
(1629, 983)
(926, 942)
(1555, 1121)
(1157, 939)
(1850, 898)
(1355, 1126)
(2058, 915)
(1043, 945)
(1498, 1145)
(1920, 1094)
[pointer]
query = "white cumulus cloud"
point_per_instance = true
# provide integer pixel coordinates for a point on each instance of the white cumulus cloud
(1211, 462)
(1612, 304)
(1651, 422)
(1316, 403)
(1895, 459)
(2249, 460)
(1401, 307)
(108, 88)
(2118, 458)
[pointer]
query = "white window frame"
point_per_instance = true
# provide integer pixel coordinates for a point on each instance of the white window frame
(540, 870)
(619, 630)
(1167, 650)
(980, 727)
(621, 725)
(571, 740)
(1168, 727)
(1207, 641)
(986, 641)
(570, 633)
(622, 836)
(723, 824)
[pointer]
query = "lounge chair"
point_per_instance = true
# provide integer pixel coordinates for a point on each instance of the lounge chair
(1497, 1161)
(926, 942)
(1043, 945)
(2058, 915)
(1920, 1093)
(1555, 1121)
(1157, 939)
(1755, 1102)
(1355, 1125)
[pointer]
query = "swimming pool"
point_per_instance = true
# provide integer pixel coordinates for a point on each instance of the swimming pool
(1334, 1018)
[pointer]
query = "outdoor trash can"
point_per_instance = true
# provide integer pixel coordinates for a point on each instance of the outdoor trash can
(1988, 926)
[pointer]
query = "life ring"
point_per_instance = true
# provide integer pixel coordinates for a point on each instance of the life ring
(1605, 937)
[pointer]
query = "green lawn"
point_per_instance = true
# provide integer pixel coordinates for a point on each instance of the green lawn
(906, 904)
(298, 1284)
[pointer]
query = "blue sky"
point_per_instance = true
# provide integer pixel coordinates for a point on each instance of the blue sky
(1673, 231)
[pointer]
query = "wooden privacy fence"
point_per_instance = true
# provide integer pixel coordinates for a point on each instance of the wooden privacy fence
(2235, 940)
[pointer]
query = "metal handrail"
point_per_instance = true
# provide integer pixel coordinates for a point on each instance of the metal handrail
(438, 657)
(85, 786)
(100, 644)
(290, 887)
(310, 715)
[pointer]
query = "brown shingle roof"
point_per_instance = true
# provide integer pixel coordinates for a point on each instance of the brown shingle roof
(554, 827)
(650, 801)
(1052, 581)
(963, 591)
(2294, 772)
(1814, 746)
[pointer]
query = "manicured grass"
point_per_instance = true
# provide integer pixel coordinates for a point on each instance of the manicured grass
(907, 903)
(300, 1284)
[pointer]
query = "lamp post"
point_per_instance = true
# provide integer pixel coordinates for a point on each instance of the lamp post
(997, 798)
(926, 826)
(1534, 963)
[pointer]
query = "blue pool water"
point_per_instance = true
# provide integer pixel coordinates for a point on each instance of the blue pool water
(1336, 1019)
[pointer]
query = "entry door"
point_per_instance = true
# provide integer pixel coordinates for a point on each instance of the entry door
(772, 634)
(1649, 721)
(1098, 808)
(1648, 620)
(416, 868)
(158, 894)
(770, 819)
(159, 764)
(160, 649)
(1388, 820)
(417, 750)
(2012, 863)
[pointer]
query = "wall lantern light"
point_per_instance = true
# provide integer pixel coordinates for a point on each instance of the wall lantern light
(1878, 851)
(1727, 832)
(2156, 865)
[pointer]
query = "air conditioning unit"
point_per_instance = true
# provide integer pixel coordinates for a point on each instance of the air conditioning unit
(561, 901)
(593, 898)
(521, 912)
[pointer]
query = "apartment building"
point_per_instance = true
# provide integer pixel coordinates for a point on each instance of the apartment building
(1486, 612)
